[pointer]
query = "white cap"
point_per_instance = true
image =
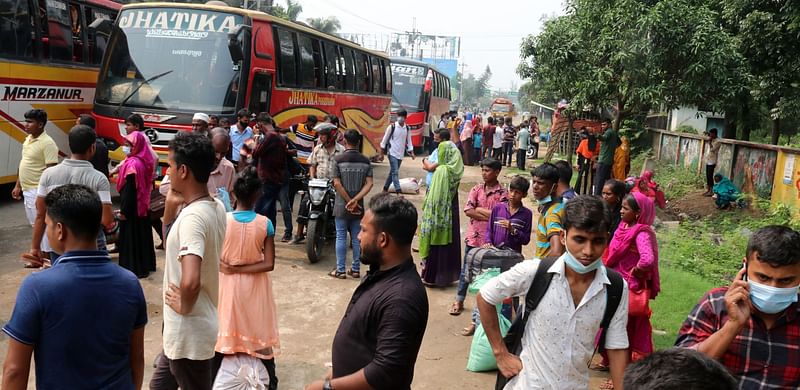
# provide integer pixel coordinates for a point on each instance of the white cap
(201, 116)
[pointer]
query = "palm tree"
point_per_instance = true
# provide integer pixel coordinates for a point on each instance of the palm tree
(293, 10)
(329, 25)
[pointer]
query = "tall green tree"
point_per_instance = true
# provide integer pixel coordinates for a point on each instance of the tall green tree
(631, 55)
(767, 35)
(329, 25)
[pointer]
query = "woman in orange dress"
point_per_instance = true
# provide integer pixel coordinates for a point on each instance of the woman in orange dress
(248, 322)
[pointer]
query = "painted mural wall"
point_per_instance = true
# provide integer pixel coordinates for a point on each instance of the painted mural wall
(758, 165)
(690, 153)
(786, 186)
(725, 160)
(669, 148)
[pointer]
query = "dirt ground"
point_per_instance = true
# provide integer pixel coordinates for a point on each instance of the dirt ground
(310, 304)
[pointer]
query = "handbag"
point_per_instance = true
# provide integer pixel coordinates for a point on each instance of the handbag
(639, 303)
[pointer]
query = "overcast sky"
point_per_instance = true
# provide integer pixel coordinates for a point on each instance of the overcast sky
(490, 34)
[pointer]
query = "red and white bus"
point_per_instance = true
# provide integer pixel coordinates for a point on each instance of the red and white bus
(167, 61)
(421, 90)
(49, 60)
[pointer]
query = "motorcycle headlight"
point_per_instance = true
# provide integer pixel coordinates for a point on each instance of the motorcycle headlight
(317, 195)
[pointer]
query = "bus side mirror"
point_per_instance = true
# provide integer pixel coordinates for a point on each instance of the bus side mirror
(101, 25)
(235, 44)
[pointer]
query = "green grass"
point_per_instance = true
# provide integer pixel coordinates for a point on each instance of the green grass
(680, 291)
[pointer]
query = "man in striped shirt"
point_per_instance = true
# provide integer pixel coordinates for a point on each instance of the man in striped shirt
(305, 137)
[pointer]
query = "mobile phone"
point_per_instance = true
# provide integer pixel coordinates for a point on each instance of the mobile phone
(744, 277)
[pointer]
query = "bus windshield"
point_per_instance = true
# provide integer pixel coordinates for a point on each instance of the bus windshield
(409, 82)
(174, 59)
(501, 107)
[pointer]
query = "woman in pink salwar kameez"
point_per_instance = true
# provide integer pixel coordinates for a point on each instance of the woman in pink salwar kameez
(633, 252)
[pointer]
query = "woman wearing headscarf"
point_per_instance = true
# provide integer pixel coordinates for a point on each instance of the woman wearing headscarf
(466, 139)
(725, 192)
(440, 234)
(622, 160)
(633, 253)
(134, 184)
(647, 186)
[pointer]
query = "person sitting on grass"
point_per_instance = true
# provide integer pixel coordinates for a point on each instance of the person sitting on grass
(752, 326)
(726, 195)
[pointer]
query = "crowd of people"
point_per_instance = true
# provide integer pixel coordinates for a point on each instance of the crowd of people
(594, 272)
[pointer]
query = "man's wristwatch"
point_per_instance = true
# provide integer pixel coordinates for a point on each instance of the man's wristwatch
(327, 385)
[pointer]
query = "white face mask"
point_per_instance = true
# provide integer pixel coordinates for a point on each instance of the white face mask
(126, 149)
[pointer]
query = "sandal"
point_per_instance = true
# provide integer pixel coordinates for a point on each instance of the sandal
(456, 308)
(606, 385)
(338, 275)
(469, 330)
(354, 274)
(598, 367)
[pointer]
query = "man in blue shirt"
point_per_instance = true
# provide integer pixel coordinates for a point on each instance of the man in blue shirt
(240, 132)
(84, 318)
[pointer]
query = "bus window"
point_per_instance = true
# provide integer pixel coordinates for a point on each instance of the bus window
(447, 88)
(76, 23)
(349, 69)
(16, 29)
(286, 71)
(332, 67)
(260, 93)
(97, 40)
(57, 37)
(319, 63)
(308, 75)
(376, 75)
(435, 87)
(362, 72)
(387, 70)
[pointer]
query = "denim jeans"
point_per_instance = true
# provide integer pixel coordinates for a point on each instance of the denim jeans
(508, 152)
(286, 199)
(521, 157)
(461, 294)
(266, 203)
(394, 173)
(343, 226)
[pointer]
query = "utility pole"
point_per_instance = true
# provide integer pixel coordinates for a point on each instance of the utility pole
(461, 85)
(414, 33)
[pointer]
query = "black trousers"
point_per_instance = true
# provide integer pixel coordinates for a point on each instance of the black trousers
(182, 373)
(508, 153)
(603, 174)
(521, 156)
(710, 168)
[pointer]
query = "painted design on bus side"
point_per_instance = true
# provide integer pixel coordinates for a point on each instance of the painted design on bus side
(351, 118)
(31, 94)
(168, 23)
(310, 99)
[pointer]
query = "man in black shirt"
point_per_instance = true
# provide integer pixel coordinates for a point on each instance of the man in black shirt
(379, 337)
(100, 158)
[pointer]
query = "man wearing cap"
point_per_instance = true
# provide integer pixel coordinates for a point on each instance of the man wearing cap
(200, 123)
(396, 141)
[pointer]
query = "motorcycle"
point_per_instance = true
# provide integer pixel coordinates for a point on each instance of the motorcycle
(321, 229)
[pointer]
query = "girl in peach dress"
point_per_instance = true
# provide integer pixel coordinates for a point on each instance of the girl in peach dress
(247, 318)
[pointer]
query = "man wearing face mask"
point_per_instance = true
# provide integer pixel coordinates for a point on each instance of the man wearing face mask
(752, 326)
(577, 296)
(551, 210)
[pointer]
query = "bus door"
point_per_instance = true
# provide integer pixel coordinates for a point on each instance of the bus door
(260, 92)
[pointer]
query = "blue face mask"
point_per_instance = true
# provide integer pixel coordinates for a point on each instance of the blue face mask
(771, 300)
(578, 267)
(541, 202)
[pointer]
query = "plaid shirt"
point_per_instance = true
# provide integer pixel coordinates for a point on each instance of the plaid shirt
(323, 160)
(759, 358)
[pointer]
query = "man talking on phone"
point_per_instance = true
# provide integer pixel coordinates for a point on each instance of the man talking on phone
(752, 326)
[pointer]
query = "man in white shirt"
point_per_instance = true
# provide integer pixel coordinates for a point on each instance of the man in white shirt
(396, 141)
(559, 336)
(714, 145)
(191, 269)
(497, 140)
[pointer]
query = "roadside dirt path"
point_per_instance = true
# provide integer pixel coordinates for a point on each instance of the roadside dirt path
(310, 304)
